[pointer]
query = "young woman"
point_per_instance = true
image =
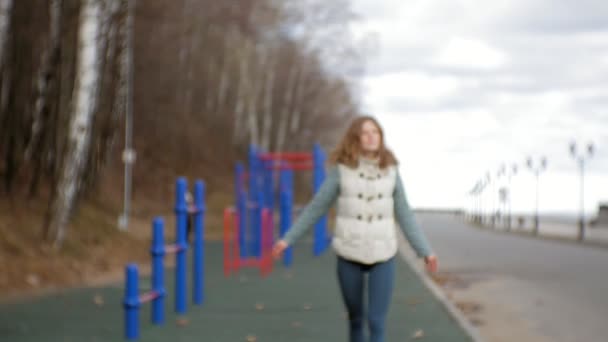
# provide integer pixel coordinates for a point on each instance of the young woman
(370, 201)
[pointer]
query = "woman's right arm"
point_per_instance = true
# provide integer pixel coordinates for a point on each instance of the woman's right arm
(318, 206)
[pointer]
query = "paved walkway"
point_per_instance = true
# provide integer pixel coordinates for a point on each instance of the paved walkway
(566, 231)
(302, 304)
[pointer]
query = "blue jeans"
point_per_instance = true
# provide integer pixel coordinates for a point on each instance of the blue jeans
(380, 289)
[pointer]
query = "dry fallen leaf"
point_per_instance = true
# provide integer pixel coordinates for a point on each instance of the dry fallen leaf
(98, 300)
(418, 334)
(182, 322)
(414, 301)
(251, 338)
(259, 306)
(468, 307)
(33, 280)
(476, 321)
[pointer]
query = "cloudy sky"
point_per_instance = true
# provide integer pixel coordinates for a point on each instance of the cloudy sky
(463, 86)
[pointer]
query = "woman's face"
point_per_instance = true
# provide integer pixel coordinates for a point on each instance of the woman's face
(370, 137)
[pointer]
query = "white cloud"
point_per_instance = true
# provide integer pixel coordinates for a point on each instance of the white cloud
(466, 85)
(469, 53)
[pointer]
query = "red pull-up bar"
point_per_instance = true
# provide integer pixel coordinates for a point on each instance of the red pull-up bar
(291, 166)
(290, 156)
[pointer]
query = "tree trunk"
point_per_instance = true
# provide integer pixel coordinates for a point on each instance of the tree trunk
(222, 88)
(241, 97)
(267, 109)
(297, 103)
(284, 114)
(254, 131)
(46, 75)
(83, 110)
(6, 7)
(123, 98)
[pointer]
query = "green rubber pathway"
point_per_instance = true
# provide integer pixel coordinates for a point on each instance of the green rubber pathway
(301, 304)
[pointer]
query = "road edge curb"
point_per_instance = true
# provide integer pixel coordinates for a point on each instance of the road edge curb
(464, 323)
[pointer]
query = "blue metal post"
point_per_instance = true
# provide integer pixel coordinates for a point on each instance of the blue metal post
(320, 232)
(239, 171)
(257, 231)
(268, 185)
(285, 224)
(290, 201)
(181, 211)
(198, 271)
(158, 253)
(286, 202)
(131, 302)
(253, 190)
(241, 208)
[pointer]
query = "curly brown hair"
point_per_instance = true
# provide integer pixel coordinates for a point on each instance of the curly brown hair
(349, 149)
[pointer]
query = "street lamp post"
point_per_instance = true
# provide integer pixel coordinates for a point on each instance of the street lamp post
(581, 165)
(487, 181)
(475, 191)
(536, 169)
(510, 174)
(128, 154)
(501, 193)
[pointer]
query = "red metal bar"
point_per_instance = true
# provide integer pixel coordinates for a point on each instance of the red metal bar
(148, 296)
(293, 156)
(172, 249)
(250, 262)
(292, 166)
(270, 243)
(235, 240)
(266, 222)
(227, 254)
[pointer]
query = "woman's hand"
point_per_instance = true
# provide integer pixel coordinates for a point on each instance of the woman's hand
(278, 248)
(431, 263)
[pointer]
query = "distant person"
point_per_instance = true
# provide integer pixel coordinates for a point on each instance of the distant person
(191, 209)
(371, 200)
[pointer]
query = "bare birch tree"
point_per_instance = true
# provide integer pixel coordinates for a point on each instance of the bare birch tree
(269, 67)
(285, 109)
(83, 111)
(242, 93)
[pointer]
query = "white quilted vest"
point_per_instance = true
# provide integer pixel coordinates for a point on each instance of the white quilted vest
(365, 229)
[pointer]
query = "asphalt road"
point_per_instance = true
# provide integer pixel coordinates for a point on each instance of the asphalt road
(556, 290)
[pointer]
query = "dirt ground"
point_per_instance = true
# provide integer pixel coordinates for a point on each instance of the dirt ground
(95, 251)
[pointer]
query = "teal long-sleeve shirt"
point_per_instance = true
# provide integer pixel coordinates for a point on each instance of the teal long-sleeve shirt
(326, 196)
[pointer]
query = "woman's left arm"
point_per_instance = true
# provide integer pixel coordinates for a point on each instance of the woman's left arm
(405, 218)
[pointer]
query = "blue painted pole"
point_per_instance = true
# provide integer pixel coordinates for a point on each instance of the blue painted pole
(239, 171)
(181, 211)
(158, 253)
(198, 271)
(320, 232)
(241, 208)
(253, 193)
(285, 223)
(286, 209)
(268, 186)
(131, 302)
(258, 224)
